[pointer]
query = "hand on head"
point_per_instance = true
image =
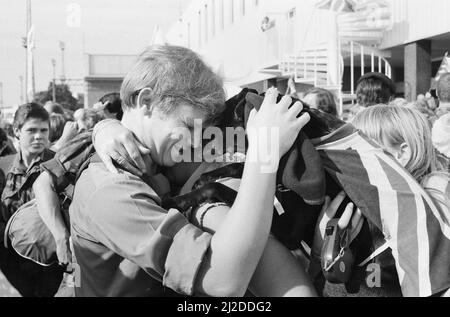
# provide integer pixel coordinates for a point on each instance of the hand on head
(276, 118)
(123, 148)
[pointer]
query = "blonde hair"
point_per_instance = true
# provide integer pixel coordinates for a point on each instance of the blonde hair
(393, 126)
(175, 75)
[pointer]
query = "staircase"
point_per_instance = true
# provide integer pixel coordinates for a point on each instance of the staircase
(358, 30)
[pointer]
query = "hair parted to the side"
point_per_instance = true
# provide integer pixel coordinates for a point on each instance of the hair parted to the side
(393, 126)
(29, 111)
(175, 75)
(443, 89)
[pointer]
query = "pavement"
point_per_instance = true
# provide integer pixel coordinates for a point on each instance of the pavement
(6, 290)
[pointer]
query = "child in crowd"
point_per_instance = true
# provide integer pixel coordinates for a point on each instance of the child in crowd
(405, 133)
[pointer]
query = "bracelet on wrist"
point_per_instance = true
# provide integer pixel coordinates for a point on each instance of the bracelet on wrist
(205, 212)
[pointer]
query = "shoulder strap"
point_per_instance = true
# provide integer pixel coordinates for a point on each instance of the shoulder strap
(66, 195)
(91, 159)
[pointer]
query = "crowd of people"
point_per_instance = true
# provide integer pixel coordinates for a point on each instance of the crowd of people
(96, 180)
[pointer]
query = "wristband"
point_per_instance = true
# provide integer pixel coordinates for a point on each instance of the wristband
(203, 214)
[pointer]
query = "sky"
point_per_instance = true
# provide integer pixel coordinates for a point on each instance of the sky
(85, 26)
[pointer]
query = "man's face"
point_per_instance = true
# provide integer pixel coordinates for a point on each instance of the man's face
(33, 136)
(170, 136)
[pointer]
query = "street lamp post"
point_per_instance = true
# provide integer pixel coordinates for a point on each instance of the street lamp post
(54, 80)
(25, 46)
(21, 89)
(1, 95)
(28, 26)
(62, 46)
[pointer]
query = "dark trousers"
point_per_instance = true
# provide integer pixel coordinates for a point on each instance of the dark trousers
(29, 278)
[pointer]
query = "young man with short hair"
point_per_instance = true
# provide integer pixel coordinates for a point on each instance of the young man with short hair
(17, 175)
(31, 127)
(125, 243)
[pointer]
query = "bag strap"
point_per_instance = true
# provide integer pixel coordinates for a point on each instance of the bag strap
(92, 158)
(376, 253)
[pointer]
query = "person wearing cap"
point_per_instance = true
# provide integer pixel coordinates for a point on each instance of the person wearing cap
(374, 89)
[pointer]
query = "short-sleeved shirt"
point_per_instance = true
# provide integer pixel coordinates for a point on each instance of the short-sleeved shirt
(126, 244)
(17, 187)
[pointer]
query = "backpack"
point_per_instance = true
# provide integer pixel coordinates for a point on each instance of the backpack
(27, 233)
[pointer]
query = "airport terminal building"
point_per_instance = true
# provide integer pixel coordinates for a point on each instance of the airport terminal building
(322, 43)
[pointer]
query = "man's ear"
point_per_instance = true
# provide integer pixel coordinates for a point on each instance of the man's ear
(144, 98)
(404, 154)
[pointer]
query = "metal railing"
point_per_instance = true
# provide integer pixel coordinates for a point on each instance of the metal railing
(312, 66)
(376, 62)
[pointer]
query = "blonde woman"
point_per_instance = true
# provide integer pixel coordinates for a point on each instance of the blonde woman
(406, 134)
